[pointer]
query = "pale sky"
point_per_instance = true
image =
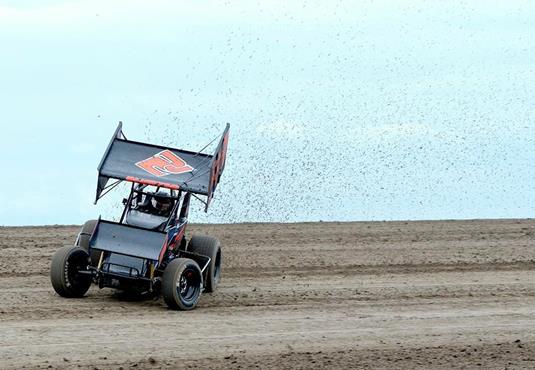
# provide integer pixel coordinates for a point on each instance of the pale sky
(339, 110)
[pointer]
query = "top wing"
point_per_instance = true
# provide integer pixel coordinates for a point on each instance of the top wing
(157, 165)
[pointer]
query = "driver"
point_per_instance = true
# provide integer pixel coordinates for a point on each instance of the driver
(161, 203)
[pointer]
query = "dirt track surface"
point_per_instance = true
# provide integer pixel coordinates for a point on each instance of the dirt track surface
(454, 294)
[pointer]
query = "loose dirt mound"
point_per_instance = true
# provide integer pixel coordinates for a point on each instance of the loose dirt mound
(328, 295)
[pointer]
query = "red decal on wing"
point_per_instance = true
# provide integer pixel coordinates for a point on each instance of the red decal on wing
(152, 182)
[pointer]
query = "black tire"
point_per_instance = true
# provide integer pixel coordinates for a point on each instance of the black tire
(182, 284)
(66, 280)
(82, 240)
(210, 247)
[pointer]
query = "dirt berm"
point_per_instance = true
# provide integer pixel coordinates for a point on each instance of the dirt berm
(403, 295)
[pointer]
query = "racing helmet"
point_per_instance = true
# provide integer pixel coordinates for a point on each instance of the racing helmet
(162, 202)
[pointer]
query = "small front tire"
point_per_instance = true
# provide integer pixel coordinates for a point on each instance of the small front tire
(83, 238)
(182, 284)
(64, 272)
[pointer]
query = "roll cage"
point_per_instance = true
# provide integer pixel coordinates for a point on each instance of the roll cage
(177, 214)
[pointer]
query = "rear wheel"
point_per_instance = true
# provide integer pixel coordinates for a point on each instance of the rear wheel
(64, 272)
(182, 284)
(83, 240)
(210, 247)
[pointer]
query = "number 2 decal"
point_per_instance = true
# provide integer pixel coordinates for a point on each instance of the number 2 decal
(164, 163)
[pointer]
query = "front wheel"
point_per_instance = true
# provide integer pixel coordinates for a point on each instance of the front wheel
(182, 284)
(83, 238)
(65, 274)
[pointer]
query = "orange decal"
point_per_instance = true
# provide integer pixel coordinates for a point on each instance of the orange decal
(152, 182)
(164, 163)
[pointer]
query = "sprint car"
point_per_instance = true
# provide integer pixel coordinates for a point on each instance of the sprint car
(147, 250)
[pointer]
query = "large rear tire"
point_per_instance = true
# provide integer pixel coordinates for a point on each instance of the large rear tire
(83, 238)
(64, 275)
(210, 247)
(182, 284)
